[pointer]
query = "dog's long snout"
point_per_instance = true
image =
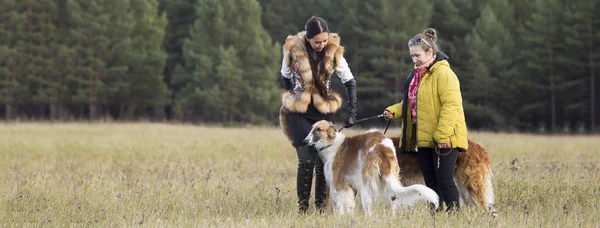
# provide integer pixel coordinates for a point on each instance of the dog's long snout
(308, 140)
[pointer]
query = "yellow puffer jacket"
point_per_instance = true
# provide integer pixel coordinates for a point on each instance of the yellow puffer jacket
(440, 114)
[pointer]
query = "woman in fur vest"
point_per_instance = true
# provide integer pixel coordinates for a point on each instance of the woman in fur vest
(309, 60)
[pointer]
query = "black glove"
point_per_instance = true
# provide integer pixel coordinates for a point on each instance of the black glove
(351, 89)
(287, 83)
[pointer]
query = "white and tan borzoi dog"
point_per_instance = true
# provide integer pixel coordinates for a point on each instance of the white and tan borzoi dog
(367, 163)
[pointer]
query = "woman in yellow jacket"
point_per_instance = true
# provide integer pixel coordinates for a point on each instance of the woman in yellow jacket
(432, 116)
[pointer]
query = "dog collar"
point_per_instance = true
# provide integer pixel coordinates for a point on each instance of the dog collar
(325, 147)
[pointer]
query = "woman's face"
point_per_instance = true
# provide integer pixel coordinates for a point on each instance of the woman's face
(420, 56)
(319, 41)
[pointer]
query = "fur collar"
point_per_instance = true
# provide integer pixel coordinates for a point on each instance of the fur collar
(295, 49)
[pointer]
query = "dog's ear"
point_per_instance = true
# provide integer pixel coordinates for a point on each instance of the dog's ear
(331, 131)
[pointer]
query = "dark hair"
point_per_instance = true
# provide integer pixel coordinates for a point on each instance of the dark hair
(315, 26)
(427, 40)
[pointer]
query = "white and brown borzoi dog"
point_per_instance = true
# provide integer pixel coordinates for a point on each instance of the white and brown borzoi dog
(367, 163)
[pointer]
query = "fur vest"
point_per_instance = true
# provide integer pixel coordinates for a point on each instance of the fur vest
(304, 91)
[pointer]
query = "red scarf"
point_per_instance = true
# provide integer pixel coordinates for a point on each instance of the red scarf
(414, 87)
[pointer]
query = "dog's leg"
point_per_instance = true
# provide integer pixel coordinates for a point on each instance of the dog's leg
(367, 199)
(336, 201)
(390, 196)
(465, 196)
(370, 190)
(489, 196)
(348, 198)
(471, 181)
(343, 201)
(477, 189)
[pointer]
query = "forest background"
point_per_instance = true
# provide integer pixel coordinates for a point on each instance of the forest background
(524, 66)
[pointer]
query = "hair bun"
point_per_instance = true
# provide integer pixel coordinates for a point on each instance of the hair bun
(431, 34)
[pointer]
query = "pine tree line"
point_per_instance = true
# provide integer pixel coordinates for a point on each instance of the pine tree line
(523, 65)
(67, 59)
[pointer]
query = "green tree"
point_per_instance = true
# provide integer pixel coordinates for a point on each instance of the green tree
(488, 90)
(141, 86)
(51, 90)
(583, 41)
(12, 26)
(99, 30)
(386, 27)
(454, 20)
(181, 14)
(545, 40)
(281, 19)
(228, 50)
(349, 27)
(37, 46)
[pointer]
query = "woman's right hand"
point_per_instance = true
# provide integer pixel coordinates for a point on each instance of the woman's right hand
(388, 115)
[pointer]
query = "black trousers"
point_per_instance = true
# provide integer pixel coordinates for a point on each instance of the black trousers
(309, 162)
(440, 178)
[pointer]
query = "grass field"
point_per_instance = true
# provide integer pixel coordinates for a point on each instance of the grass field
(107, 175)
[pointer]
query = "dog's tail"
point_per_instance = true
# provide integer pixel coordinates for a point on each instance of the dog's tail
(405, 196)
(409, 196)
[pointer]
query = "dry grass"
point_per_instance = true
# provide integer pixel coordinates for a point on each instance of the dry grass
(108, 175)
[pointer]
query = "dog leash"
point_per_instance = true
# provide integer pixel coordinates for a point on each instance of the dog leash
(368, 118)
(388, 125)
(437, 151)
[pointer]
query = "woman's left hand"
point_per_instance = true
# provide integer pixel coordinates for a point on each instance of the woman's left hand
(443, 145)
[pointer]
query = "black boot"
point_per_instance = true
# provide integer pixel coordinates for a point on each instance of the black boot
(351, 117)
(321, 188)
(304, 177)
